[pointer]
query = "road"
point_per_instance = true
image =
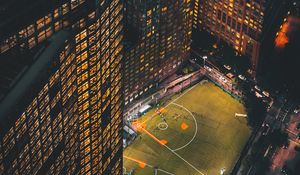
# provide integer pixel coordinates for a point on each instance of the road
(287, 156)
(259, 136)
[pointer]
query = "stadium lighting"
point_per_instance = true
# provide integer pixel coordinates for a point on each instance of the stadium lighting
(222, 171)
(204, 59)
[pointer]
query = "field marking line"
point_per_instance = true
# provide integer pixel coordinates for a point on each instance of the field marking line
(160, 142)
(196, 129)
(137, 161)
(164, 171)
(169, 104)
(151, 166)
(184, 160)
(152, 136)
(159, 125)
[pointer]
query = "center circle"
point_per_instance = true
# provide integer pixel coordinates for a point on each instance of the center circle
(162, 126)
(176, 119)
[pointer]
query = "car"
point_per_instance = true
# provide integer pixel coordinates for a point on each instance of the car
(267, 94)
(250, 71)
(208, 68)
(227, 67)
(257, 88)
(258, 95)
(242, 77)
(266, 129)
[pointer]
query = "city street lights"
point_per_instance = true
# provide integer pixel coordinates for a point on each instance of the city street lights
(204, 59)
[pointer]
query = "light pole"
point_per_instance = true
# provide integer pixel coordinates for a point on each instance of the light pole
(204, 59)
(222, 171)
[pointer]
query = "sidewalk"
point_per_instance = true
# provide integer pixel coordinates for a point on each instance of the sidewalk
(287, 156)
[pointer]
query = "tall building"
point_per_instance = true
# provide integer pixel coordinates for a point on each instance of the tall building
(158, 38)
(60, 87)
(237, 22)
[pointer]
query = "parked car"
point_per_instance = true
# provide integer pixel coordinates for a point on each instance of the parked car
(267, 94)
(266, 129)
(227, 67)
(242, 77)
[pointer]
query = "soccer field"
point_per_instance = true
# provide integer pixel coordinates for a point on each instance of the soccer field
(194, 133)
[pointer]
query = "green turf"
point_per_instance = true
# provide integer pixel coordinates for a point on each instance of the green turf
(219, 140)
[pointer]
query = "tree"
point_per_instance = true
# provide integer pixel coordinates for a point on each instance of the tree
(297, 167)
(263, 165)
(255, 107)
(278, 138)
(279, 68)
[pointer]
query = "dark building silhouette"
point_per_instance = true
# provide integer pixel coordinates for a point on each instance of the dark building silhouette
(60, 87)
(280, 60)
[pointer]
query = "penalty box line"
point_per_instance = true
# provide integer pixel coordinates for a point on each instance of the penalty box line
(196, 127)
(146, 164)
(169, 104)
(161, 143)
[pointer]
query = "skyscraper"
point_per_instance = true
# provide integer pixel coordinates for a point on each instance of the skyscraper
(158, 40)
(60, 87)
(237, 22)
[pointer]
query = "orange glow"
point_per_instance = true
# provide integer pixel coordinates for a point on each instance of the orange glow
(162, 110)
(287, 29)
(137, 125)
(281, 39)
(141, 163)
(162, 142)
(184, 126)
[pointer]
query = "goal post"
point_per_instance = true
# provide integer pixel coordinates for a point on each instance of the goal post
(240, 115)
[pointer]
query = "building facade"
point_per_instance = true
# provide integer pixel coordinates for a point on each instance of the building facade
(158, 39)
(237, 22)
(61, 87)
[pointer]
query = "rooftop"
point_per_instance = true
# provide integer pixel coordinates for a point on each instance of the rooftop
(19, 74)
(15, 13)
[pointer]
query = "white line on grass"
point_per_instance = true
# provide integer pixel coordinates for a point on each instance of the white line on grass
(170, 103)
(169, 147)
(184, 160)
(151, 166)
(164, 171)
(196, 130)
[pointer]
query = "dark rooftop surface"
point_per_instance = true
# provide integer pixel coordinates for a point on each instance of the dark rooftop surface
(17, 75)
(16, 13)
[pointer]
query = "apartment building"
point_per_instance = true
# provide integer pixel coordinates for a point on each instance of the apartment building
(61, 87)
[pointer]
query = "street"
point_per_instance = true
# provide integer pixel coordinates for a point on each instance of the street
(287, 156)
